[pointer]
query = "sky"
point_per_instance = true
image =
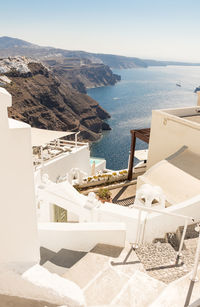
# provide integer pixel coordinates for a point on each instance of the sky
(153, 29)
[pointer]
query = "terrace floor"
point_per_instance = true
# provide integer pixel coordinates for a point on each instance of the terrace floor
(124, 195)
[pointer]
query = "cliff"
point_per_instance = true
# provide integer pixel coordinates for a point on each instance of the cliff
(83, 75)
(43, 101)
(121, 62)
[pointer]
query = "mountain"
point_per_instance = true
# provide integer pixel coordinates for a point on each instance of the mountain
(41, 99)
(15, 47)
(9, 42)
(118, 62)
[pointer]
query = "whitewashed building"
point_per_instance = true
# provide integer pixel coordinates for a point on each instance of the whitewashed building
(34, 247)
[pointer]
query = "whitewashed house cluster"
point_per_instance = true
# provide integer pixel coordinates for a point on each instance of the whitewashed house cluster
(29, 196)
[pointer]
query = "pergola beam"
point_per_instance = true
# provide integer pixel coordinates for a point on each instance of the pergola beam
(142, 134)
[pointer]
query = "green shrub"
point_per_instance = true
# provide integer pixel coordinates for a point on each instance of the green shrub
(104, 193)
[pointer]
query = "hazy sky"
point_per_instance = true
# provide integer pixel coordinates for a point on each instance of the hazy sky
(158, 29)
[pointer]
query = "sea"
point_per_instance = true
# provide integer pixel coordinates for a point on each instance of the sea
(130, 103)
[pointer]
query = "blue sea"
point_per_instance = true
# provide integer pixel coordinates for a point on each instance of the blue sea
(131, 101)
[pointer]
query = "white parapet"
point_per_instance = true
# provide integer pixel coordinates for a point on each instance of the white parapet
(80, 236)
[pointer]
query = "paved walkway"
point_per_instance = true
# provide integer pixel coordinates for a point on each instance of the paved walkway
(159, 260)
(124, 196)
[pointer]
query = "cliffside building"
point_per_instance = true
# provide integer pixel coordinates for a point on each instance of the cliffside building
(106, 258)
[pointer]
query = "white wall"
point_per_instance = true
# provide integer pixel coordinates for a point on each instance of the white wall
(72, 217)
(69, 200)
(18, 230)
(169, 133)
(81, 236)
(158, 225)
(114, 213)
(45, 212)
(78, 158)
(66, 197)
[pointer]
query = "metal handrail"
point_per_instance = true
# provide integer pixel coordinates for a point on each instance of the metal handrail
(196, 262)
(149, 209)
(193, 277)
(163, 212)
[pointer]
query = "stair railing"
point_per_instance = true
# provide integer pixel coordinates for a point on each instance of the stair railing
(140, 228)
(197, 256)
(193, 276)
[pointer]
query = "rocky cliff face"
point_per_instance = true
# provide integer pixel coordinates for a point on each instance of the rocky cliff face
(84, 76)
(43, 101)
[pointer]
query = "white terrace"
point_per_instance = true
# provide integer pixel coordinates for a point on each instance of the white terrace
(94, 260)
(58, 156)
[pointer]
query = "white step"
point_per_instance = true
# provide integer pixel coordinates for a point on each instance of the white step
(53, 268)
(128, 262)
(100, 257)
(175, 294)
(86, 269)
(139, 291)
(104, 288)
(103, 272)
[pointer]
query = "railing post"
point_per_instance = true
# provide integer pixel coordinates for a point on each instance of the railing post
(42, 160)
(76, 138)
(138, 230)
(143, 227)
(196, 262)
(193, 277)
(182, 241)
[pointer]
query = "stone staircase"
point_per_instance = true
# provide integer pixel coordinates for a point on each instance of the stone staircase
(108, 275)
(114, 276)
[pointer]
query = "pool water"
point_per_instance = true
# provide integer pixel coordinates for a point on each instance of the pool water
(97, 161)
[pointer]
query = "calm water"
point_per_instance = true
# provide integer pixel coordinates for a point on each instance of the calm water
(131, 101)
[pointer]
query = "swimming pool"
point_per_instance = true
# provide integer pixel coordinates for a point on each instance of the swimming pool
(96, 160)
(100, 164)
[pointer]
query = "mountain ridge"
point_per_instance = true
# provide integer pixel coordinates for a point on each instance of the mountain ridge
(14, 47)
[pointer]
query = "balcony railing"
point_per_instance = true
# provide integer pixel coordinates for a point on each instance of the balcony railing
(141, 228)
(54, 149)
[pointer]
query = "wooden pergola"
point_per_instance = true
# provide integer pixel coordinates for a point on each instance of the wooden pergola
(142, 134)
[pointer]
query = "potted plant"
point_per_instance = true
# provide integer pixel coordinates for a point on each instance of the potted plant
(104, 195)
